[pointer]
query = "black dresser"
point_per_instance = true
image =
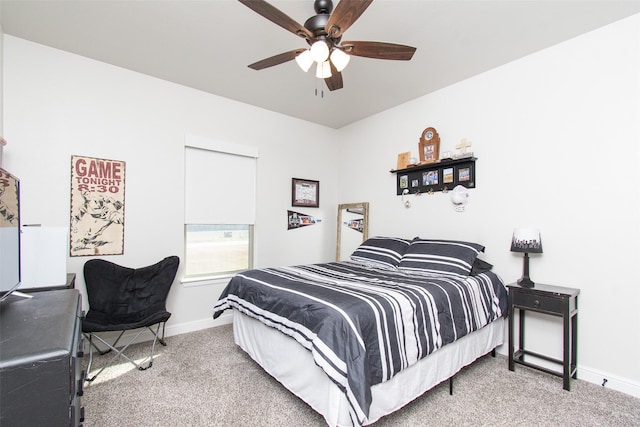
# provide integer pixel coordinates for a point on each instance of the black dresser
(41, 350)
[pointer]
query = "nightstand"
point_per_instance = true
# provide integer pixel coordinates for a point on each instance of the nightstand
(555, 301)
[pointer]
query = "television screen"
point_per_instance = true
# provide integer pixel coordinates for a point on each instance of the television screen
(9, 233)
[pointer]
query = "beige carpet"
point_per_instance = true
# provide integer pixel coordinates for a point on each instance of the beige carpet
(203, 379)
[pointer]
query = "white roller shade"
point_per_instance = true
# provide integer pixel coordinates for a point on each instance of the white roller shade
(220, 186)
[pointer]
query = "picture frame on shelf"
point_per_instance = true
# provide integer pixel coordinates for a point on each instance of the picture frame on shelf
(305, 193)
(464, 174)
(447, 175)
(430, 178)
(403, 160)
(403, 181)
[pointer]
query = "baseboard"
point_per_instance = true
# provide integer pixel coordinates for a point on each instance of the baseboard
(170, 330)
(198, 325)
(613, 382)
(595, 376)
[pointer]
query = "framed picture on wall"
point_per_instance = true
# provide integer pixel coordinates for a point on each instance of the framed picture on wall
(305, 192)
(97, 210)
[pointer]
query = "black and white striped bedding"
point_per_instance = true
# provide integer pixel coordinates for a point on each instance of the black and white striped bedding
(362, 324)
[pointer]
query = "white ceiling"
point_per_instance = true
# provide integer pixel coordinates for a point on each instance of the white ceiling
(207, 44)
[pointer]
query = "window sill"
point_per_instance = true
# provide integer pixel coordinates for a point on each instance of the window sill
(205, 281)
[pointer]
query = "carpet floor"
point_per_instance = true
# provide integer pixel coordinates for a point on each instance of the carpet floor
(202, 379)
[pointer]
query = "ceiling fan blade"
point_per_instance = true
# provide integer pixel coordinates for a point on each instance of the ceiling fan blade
(335, 81)
(344, 15)
(379, 50)
(276, 16)
(277, 59)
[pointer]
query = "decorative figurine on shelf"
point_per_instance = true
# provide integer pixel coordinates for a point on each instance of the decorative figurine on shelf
(462, 149)
(429, 146)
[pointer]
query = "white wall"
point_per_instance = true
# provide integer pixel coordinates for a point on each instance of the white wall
(557, 139)
(59, 104)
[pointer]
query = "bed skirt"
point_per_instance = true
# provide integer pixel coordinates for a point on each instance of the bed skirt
(293, 366)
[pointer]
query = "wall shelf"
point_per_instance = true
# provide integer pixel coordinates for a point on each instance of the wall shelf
(439, 176)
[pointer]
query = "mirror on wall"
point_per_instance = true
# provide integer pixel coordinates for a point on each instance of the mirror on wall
(353, 228)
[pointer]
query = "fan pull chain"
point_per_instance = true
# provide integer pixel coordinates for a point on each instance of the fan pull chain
(319, 83)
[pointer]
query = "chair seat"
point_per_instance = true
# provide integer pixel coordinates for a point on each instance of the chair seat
(96, 321)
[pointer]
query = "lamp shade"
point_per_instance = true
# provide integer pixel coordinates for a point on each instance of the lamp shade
(305, 60)
(339, 59)
(320, 51)
(526, 240)
(323, 70)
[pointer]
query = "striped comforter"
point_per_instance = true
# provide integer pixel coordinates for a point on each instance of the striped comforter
(363, 325)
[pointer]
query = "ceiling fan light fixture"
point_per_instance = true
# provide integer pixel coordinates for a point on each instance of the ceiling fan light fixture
(305, 60)
(324, 32)
(339, 59)
(323, 70)
(320, 51)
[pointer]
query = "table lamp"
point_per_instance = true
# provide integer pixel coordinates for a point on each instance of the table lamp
(526, 240)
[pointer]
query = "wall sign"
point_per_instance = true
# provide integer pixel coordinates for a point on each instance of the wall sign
(298, 220)
(97, 206)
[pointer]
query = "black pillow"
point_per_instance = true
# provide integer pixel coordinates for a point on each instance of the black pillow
(454, 258)
(381, 252)
(480, 266)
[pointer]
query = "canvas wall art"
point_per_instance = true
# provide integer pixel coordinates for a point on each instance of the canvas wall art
(97, 206)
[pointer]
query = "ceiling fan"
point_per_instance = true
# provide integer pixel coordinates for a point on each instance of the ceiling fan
(323, 32)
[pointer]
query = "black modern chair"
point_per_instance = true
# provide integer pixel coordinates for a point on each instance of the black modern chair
(124, 299)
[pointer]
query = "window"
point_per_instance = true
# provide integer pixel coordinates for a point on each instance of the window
(218, 249)
(220, 181)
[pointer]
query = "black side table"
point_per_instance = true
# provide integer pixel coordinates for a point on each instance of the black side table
(555, 301)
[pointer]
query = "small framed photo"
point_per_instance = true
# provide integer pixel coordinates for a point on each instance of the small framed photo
(430, 178)
(403, 181)
(428, 152)
(305, 193)
(447, 175)
(464, 174)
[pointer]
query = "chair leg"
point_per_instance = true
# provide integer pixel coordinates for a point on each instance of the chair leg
(153, 346)
(108, 350)
(91, 346)
(112, 347)
(162, 341)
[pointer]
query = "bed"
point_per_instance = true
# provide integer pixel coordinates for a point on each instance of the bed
(359, 339)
